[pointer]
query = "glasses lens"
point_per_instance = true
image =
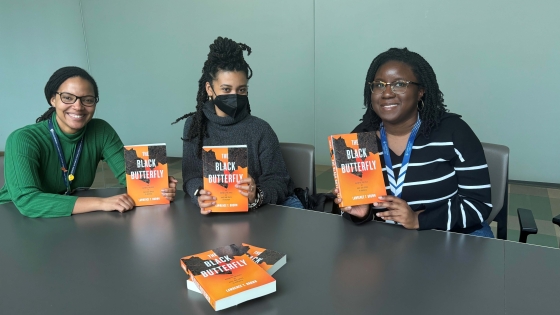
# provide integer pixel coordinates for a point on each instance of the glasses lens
(399, 87)
(67, 98)
(377, 87)
(88, 100)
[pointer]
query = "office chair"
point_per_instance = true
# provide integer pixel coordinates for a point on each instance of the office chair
(300, 162)
(556, 220)
(497, 158)
(528, 224)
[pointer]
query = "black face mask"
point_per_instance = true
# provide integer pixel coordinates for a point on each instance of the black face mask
(231, 104)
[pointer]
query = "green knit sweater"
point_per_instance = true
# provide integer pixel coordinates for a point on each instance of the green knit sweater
(33, 178)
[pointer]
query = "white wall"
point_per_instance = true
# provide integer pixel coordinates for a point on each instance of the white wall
(496, 61)
(36, 38)
(148, 57)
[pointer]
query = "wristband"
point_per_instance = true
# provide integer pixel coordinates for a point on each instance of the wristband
(259, 198)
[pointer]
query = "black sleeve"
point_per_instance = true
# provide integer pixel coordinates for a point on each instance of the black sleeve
(274, 180)
(358, 221)
(191, 165)
(472, 204)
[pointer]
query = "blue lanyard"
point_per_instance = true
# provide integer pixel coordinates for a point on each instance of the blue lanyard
(68, 177)
(397, 185)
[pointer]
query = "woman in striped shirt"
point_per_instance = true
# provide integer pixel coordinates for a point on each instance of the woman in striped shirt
(432, 161)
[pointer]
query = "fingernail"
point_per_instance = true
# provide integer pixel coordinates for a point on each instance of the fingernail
(213, 203)
(382, 197)
(375, 204)
(377, 214)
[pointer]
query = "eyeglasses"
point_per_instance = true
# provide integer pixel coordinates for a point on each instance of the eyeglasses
(86, 100)
(398, 87)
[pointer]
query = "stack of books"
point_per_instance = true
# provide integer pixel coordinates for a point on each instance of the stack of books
(232, 274)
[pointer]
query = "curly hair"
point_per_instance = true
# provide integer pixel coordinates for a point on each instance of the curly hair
(433, 109)
(225, 55)
(56, 80)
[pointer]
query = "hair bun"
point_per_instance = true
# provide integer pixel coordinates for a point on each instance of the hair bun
(224, 50)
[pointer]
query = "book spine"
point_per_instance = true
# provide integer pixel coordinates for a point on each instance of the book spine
(208, 298)
(200, 289)
(184, 266)
(335, 169)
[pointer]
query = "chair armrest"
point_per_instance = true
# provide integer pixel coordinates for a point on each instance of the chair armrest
(527, 224)
(556, 220)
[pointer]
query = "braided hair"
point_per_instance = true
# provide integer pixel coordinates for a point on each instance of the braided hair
(225, 55)
(433, 108)
(56, 80)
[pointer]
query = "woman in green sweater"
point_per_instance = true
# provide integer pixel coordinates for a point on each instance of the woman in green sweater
(46, 161)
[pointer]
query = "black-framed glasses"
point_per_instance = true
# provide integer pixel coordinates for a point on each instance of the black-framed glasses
(398, 87)
(87, 100)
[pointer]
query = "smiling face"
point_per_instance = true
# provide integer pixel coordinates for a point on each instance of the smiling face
(396, 109)
(227, 82)
(71, 118)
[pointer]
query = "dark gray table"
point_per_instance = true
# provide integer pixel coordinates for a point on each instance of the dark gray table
(532, 279)
(112, 263)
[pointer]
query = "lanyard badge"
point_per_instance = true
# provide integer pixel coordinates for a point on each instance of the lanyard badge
(396, 184)
(67, 175)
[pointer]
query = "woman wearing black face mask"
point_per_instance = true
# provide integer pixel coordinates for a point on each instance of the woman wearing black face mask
(223, 117)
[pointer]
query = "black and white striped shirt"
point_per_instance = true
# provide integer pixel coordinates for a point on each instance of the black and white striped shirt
(447, 176)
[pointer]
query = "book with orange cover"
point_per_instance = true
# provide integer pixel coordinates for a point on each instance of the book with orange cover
(357, 168)
(227, 277)
(146, 173)
(222, 168)
(269, 260)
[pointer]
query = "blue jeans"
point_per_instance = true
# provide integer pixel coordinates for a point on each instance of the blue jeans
(292, 201)
(485, 231)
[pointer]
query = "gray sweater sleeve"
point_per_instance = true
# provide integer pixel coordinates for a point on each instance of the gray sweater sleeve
(266, 164)
(274, 180)
(192, 165)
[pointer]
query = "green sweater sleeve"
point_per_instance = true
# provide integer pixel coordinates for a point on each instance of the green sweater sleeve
(33, 179)
(113, 151)
(22, 179)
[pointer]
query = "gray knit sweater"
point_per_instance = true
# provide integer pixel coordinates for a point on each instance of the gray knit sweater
(266, 164)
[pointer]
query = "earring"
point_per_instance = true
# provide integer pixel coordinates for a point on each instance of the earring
(420, 108)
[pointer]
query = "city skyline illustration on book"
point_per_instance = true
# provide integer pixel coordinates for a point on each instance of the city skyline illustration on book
(357, 168)
(146, 173)
(226, 276)
(222, 168)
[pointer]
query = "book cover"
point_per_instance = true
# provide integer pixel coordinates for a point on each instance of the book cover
(146, 173)
(269, 260)
(227, 277)
(357, 168)
(222, 168)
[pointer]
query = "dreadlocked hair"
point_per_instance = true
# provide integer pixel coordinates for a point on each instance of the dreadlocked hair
(56, 80)
(225, 55)
(433, 108)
